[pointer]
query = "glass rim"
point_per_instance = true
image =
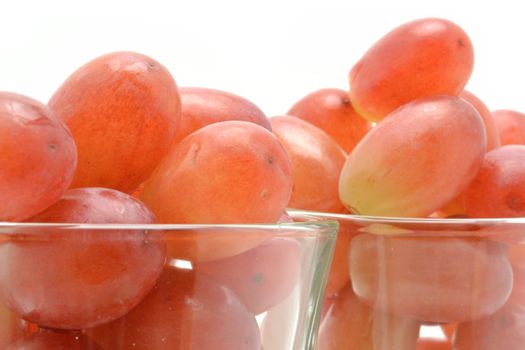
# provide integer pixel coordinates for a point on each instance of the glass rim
(312, 225)
(408, 220)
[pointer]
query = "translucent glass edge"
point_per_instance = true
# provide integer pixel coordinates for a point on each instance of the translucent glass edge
(320, 225)
(407, 220)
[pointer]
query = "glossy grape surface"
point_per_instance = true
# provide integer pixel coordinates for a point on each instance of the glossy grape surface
(511, 126)
(349, 324)
(123, 109)
(37, 155)
(204, 106)
(227, 172)
(261, 277)
(331, 111)
(497, 191)
(433, 279)
(316, 160)
(73, 279)
(185, 310)
(418, 59)
(416, 160)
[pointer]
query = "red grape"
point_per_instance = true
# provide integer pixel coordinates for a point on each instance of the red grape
(421, 58)
(38, 157)
(123, 109)
(511, 126)
(497, 190)
(349, 324)
(261, 277)
(433, 279)
(203, 106)
(416, 160)
(491, 130)
(72, 279)
(227, 172)
(185, 310)
(331, 111)
(316, 164)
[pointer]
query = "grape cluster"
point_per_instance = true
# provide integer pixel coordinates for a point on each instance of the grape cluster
(435, 151)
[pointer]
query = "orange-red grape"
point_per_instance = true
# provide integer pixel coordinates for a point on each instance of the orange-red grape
(71, 279)
(421, 58)
(185, 310)
(502, 330)
(416, 160)
(433, 279)
(49, 340)
(349, 324)
(316, 164)
(511, 126)
(123, 109)
(497, 190)
(215, 243)
(203, 106)
(331, 111)
(261, 277)
(491, 130)
(226, 172)
(38, 157)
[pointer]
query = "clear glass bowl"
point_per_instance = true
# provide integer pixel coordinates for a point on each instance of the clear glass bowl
(400, 279)
(155, 287)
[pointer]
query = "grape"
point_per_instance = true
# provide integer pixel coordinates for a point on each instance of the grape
(350, 324)
(511, 126)
(185, 310)
(199, 245)
(48, 340)
(497, 190)
(434, 344)
(491, 130)
(501, 330)
(38, 157)
(11, 327)
(421, 58)
(71, 279)
(433, 279)
(123, 109)
(331, 111)
(416, 160)
(261, 277)
(227, 172)
(316, 164)
(203, 106)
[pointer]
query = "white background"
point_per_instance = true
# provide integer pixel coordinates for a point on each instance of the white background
(271, 52)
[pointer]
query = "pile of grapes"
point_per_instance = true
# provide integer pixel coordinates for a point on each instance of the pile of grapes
(436, 151)
(120, 143)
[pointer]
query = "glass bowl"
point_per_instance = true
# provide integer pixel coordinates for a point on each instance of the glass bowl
(394, 282)
(156, 287)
